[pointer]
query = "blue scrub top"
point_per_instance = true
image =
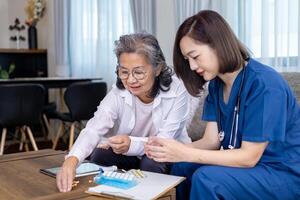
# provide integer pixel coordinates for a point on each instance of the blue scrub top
(268, 112)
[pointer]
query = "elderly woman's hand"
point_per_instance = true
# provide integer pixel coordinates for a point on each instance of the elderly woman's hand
(166, 150)
(66, 174)
(120, 143)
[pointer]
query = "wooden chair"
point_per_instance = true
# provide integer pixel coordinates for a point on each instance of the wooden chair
(82, 100)
(20, 107)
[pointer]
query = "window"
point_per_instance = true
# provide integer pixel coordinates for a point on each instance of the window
(270, 29)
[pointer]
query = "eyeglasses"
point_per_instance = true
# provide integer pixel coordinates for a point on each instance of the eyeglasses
(137, 73)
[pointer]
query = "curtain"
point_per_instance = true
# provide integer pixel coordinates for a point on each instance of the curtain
(85, 35)
(187, 8)
(144, 15)
(61, 53)
(271, 32)
(269, 28)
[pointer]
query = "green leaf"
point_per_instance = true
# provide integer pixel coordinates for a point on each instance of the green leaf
(11, 68)
(3, 74)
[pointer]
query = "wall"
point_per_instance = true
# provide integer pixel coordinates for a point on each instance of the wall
(4, 33)
(10, 9)
(16, 9)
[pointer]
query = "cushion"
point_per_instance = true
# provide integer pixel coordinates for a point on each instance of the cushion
(195, 126)
(293, 79)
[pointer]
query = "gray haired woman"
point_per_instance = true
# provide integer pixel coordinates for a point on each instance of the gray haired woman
(146, 101)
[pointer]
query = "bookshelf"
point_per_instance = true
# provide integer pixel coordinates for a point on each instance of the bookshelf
(28, 62)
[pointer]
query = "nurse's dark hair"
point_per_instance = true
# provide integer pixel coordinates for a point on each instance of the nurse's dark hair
(146, 45)
(210, 28)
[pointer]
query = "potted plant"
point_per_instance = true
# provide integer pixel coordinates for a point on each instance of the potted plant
(4, 74)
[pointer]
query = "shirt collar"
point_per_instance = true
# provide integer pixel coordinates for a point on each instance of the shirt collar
(157, 100)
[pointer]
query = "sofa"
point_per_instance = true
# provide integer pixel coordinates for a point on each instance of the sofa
(196, 127)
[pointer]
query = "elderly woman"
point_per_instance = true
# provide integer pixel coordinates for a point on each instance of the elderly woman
(146, 101)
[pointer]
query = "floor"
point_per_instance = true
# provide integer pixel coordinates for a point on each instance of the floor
(12, 144)
(14, 148)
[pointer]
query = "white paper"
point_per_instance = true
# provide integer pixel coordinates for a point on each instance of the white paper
(151, 187)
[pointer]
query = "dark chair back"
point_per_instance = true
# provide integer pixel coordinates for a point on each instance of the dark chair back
(83, 98)
(21, 104)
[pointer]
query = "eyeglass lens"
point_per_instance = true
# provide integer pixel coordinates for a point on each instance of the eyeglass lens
(137, 73)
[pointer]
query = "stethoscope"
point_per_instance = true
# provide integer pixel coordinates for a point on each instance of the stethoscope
(235, 120)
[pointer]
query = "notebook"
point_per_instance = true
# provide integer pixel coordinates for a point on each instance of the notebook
(84, 169)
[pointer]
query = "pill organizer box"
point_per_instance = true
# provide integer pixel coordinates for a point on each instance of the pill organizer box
(116, 179)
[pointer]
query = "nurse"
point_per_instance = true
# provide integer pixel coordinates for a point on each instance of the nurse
(251, 145)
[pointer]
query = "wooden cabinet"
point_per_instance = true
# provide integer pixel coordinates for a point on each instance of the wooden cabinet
(28, 62)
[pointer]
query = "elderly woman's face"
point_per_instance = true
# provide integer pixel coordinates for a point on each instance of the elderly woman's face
(137, 75)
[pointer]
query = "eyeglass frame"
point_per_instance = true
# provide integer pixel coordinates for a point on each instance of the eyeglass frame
(131, 72)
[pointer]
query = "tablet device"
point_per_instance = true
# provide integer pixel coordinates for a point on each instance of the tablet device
(84, 169)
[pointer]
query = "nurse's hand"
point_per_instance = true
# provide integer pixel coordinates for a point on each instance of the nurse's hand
(66, 174)
(120, 143)
(166, 150)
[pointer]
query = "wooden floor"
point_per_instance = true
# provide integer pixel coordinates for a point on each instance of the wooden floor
(41, 144)
(13, 140)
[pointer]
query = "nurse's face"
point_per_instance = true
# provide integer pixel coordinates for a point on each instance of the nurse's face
(137, 75)
(201, 57)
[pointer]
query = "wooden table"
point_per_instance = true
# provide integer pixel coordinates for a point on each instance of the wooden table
(49, 82)
(20, 178)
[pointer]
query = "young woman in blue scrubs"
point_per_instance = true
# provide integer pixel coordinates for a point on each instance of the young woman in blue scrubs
(251, 145)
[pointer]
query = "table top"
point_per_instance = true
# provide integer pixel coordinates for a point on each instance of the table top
(47, 79)
(23, 50)
(20, 178)
(49, 82)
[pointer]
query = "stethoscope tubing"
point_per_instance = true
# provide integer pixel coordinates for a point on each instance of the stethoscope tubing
(235, 120)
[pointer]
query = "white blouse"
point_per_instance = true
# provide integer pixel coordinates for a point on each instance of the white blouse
(116, 115)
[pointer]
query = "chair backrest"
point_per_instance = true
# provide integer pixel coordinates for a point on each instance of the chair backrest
(21, 104)
(83, 98)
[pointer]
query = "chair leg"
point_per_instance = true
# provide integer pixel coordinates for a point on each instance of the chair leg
(26, 147)
(48, 127)
(57, 136)
(16, 134)
(23, 139)
(72, 133)
(3, 137)
(46, 123)
(31, 138)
